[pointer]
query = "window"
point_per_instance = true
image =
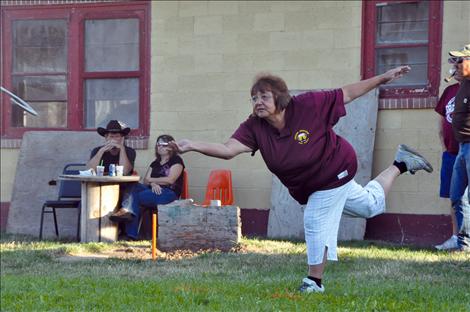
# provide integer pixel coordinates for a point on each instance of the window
(77, 65)
(403, 33)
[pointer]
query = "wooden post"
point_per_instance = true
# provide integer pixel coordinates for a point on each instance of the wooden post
(154, 236)
(109, 202)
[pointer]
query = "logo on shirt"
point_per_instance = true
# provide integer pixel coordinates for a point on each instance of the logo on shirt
(450, 109)
(302, 136)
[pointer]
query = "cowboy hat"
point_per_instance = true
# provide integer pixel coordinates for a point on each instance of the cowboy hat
(114, 126)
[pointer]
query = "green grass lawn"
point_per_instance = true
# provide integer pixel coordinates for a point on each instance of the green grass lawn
(261, 275)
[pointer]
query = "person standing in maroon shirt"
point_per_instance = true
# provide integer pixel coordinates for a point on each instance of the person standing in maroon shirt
(296, 139)
(450, 146)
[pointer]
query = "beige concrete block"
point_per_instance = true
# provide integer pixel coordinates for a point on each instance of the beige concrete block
(193, 8)
(420, 119)
(238, 81)
(269, 21)
(338, 18)
(291, 77)
(210, 63)
(387, 139)
(167, 120)
(188, 101)
(9, 159)
(298, 21)
(408, 182)
(163, 81)
(341, 60)
(176, 64)
(345, 77)
(347, 38)
(202, 82)
(429, 140)
(413, 203)
(208, 25)
(314, 79)
(253, 7)
(268, 61)
(223, 7)
(302, 60)
(163, 45)
(322, 39)
(389, 119)
(254, 42)
(164, 9)
(284, 41)
(238, 62)
(238, 24)
(214, 44)
(179, 26)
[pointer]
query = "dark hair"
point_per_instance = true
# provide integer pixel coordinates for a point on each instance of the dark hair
(165, 138)
(267, 82)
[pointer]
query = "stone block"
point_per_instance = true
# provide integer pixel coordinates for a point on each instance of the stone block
(222, 7)
(43, 155)
(182, 225)
(271, 21)
(208, 25)
(238, 24)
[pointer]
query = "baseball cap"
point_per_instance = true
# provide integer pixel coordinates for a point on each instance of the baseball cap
(462, 53)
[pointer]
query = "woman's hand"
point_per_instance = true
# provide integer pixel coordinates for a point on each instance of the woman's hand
(182, 146)
(395, 73)
(156, 188)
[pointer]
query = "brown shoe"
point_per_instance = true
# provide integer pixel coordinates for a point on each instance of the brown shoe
(122, 215)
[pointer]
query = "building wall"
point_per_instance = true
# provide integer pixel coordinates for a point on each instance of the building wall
(205, 55)
(419, 128)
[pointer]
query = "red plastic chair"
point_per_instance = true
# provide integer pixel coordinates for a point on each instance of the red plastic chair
(185, 190)
(219, 187)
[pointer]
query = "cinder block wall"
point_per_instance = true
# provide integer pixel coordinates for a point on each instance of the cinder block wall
(418, 128)
(205, 55)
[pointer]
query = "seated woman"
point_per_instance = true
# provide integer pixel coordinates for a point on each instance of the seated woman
(163, 184)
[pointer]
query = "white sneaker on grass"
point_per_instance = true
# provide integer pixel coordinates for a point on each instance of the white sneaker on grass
(451, 243)
(309, 286)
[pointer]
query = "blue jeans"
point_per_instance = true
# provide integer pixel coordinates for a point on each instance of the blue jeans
(459, 183)
(141, 195)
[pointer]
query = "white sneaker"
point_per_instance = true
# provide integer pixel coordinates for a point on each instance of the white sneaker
(451, 243)
(309, 286)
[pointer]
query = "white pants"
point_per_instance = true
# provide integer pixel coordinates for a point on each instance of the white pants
(323, 214)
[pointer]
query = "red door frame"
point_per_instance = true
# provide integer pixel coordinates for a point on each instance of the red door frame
(76, 14)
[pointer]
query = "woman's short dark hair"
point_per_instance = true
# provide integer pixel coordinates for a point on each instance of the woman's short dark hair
(164, 138)
(265, 82)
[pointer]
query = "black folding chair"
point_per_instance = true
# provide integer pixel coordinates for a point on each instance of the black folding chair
(69, 197)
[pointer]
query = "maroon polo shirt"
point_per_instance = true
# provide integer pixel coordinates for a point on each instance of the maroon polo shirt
(306, 155)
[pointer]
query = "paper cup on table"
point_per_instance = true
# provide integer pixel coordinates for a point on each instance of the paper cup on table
(119, 171)
(100, 171)
(216, 203)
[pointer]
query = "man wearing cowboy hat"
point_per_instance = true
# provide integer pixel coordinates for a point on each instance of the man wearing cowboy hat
(113, 151)
(461, 129)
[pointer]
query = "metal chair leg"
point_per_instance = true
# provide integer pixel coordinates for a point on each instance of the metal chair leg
(42, 221)
(79, 222)
(55, 223)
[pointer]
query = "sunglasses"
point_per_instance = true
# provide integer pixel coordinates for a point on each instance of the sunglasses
(457, 59)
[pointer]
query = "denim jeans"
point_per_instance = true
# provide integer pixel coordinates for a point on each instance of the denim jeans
(458, 185)
(141, 195)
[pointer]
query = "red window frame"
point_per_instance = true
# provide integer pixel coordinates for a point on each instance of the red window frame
(368, 46)
(76, 14)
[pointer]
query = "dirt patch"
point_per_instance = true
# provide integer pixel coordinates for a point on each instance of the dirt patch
(140, 253)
